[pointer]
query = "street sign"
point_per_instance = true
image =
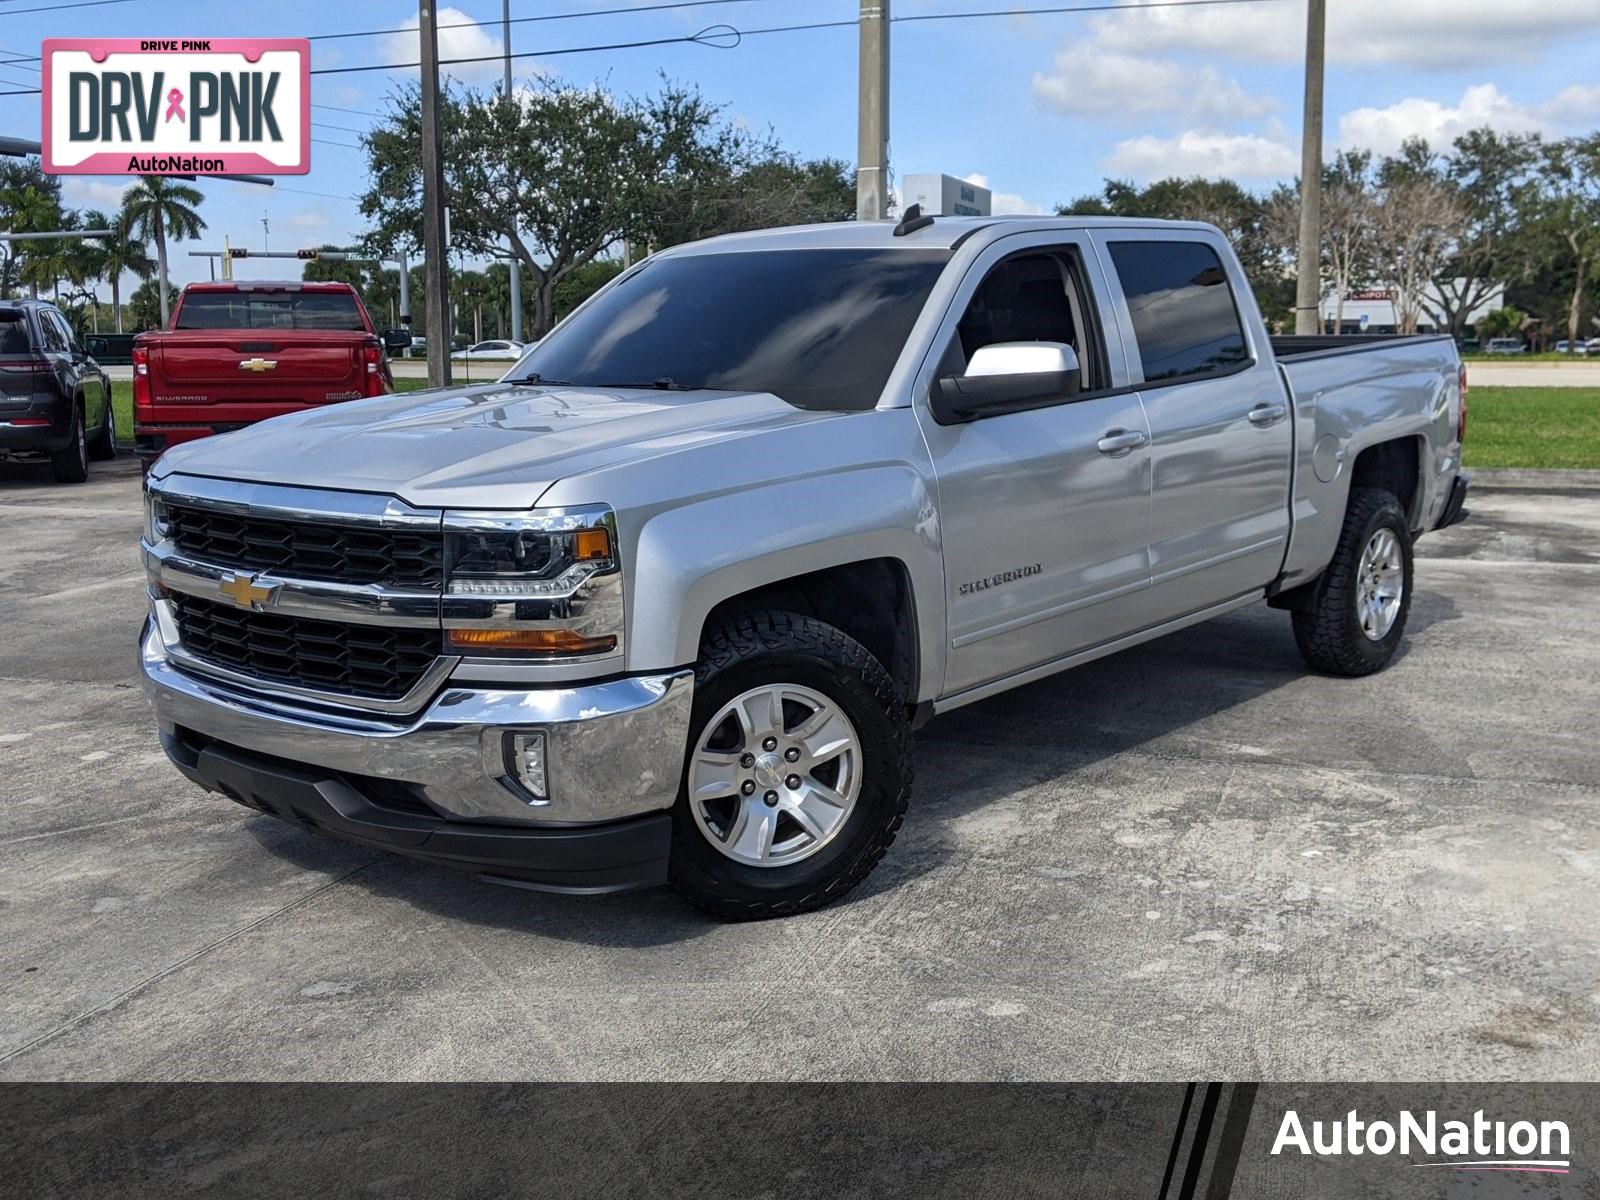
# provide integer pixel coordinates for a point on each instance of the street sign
(149, 106)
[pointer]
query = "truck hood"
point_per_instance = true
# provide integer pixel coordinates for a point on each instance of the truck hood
(490, 446)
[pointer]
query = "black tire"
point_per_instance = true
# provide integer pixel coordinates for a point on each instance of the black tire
(103, 445)
(758, 648)
(71, 464)
(1328, 631)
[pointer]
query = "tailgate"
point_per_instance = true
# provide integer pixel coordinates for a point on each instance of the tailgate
(251, 366)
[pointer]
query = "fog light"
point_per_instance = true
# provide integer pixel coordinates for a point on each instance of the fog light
(529, 763)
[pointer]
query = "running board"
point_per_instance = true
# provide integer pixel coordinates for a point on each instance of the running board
(984, 690)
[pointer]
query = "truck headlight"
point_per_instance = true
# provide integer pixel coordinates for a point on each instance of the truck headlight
(156, 524)
(546, 584)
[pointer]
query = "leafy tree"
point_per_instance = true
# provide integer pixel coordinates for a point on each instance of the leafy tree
(123, 253)
(1490, 172)
(30, 202)
(1502, 322)
(158, 206)
(1563, 208)
(584, 282)
(144, 306)
(1418, 222)
(331, 270)
(557, 176)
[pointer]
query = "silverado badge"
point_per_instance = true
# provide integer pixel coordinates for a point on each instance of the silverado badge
(244, 591)
(257, 364)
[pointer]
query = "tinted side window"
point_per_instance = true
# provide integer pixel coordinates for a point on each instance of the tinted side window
(1184, 318)
(49, 334)
(69, 339)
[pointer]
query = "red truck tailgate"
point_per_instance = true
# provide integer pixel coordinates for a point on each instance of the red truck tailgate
(253, 367)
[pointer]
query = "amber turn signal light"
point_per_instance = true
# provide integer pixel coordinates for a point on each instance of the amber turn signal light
(591, 544)
(539, 641)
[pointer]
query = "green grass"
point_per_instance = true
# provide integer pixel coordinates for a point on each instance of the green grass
(1533, 427)
(1506, 427)
(1511, 360)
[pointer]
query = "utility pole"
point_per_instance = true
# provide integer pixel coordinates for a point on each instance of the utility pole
(516, 267)
(1308, 284)
(436, 289)
(872, 142)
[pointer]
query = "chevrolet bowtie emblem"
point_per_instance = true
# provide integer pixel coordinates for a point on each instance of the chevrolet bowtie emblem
(244, 591)
(257, 364)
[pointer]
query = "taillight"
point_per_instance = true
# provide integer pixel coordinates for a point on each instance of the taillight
(372, 356)
(141, 376)
(1461, 420)
(30, 363)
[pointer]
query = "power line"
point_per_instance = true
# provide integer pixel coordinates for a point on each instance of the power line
(354, 112)
(593, 12)
(17, 12)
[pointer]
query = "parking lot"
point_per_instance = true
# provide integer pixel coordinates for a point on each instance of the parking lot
(1191, 860)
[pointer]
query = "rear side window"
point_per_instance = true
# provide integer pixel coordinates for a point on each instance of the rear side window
(14, 332)
(1184, 317)
(270, 310)
(50, 338)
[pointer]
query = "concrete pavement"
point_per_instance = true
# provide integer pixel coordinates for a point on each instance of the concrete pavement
(1192, 860)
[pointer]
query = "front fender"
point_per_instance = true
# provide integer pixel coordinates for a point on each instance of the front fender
(690, 558)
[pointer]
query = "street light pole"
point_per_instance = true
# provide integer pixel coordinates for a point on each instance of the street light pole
(872, 141)
(437, 286)
(516, 267)
(1308, 284)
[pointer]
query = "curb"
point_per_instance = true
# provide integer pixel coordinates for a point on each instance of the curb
(1523, 479)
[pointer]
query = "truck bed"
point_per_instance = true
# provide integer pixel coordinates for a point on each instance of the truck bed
(1288, 347)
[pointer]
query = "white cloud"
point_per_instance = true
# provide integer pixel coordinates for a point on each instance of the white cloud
(1088, 79)
(466, 40)
(85, 191)
(1246, 156)
(1382, 130)
(1423, 33)
(1005, 203)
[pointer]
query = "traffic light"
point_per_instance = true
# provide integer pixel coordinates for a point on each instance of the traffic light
(305, 254)
(238, 252)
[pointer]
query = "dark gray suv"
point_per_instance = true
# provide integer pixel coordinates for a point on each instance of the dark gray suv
(55, 401)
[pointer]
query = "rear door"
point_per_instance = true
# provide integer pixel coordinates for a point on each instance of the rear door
(1043, 516)
(1220, 424)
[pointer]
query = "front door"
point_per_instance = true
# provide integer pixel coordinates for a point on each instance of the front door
(1044, 513)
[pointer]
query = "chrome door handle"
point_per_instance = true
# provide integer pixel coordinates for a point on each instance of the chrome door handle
(1268, 414)
(1118, 442)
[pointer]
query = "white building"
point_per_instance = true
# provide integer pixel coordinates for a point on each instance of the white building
(1371, 310)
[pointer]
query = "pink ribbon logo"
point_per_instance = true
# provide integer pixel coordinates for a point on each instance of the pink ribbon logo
(175, 106)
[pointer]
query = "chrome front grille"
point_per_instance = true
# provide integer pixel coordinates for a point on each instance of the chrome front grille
(377, 661)
(408, 558)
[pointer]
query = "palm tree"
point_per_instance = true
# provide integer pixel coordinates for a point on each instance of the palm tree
(124, 252)
(33, 210)
(156, 206)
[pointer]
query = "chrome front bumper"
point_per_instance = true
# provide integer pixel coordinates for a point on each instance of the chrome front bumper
(615, 748)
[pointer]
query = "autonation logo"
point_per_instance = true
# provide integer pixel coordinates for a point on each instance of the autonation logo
(1480, 1144)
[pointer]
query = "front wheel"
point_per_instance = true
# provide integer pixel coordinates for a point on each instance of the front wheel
(1358, 610)
(798, 771)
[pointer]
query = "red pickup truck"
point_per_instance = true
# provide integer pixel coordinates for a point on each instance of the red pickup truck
(238, 352)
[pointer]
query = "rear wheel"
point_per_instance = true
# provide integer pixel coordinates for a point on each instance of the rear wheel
(1357, 614)
(71, 464)
(798, 770)
(103, 446)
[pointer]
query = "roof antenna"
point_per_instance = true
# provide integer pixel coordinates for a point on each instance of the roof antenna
(911, 221)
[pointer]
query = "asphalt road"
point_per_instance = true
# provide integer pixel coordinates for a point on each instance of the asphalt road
(1192, 860)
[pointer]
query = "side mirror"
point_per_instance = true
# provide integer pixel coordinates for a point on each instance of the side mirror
(396, 340)
(95, 346)
(1007, 377)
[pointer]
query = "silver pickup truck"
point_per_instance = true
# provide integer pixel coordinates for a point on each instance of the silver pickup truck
(665, 603)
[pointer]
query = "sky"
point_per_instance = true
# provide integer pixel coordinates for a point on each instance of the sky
(1040, 108)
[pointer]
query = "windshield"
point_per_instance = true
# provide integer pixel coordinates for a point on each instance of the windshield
(820, 329)
(270, 310)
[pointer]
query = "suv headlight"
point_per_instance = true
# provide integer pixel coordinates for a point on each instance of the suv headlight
(545, 584)
(156, 527)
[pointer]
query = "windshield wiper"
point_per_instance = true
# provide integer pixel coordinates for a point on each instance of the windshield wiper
(663, 384)
(539, 379)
